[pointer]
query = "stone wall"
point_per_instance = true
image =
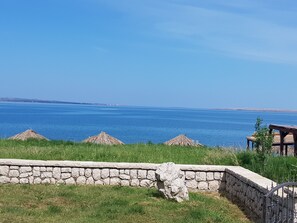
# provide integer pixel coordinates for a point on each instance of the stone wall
(207, 178)
(239, 184)
(247, 188)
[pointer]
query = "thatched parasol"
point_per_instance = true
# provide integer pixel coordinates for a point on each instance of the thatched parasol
(28, 134)
(182, 140)
(103, 138)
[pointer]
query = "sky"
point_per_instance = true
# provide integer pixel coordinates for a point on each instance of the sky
(164, 53)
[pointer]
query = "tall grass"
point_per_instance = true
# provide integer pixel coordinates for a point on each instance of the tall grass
(148, 153)
(275, 167)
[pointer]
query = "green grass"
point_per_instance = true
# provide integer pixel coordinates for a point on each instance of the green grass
(148, 153)
(275, 168)
(51, 203)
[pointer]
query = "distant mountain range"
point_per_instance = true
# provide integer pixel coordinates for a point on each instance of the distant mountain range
(26, 100)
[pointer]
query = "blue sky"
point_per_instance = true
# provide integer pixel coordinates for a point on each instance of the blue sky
(169, 53)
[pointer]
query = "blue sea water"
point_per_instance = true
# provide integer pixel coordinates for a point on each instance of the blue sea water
(135, 124)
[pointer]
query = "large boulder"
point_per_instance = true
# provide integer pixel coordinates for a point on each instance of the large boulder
(171, 183)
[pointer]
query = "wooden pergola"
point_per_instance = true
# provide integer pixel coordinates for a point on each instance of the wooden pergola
(284, 130)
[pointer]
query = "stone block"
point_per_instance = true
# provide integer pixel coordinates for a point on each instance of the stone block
(141, 174)
(99, 182)
(57, 173)
(46, 175)
(114, 173)
(60, 182)
(201, 176)
(145, 183)
(217, 175)
(124, 177)
(37, 180)
(151, 175)
(36, 168)
(13, 173)
(105, 173)
(190, 175)
(14, 167)
(202, 185)
(81, 180)
(42, 168)
(46, 181)
(70, 181)
(36, 173)
(106, 181)
(4, 179)
(213, 185)
(14, 180)
(133, 174)
(25, 169)
(134, 183)
(115, 181)
(75, 172)
(24, 181)
(65, 176)
(96, 174)
(24, 175)
(53, 180)
(81, 171)
(65, 170)
(90, 180)
(88, 173)
(193, 184)
(125, 183)
(4, 170)
(49, 169)
(209, 176)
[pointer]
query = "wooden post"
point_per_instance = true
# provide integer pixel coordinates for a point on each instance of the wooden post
(281, 145)
(295, 144)
(247, 144)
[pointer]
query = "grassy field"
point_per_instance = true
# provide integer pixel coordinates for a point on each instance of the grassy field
(50, 203)
(275, 168)
(147, 153)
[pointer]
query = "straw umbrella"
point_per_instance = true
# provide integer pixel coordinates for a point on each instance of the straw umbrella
(182, 140)
(103, 138)
(28, 134)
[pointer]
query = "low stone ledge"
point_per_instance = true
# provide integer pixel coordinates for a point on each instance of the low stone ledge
(253, 179)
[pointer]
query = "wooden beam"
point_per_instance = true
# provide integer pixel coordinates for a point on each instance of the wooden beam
(284, 128)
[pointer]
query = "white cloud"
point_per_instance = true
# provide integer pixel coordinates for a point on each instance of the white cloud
(239, 28)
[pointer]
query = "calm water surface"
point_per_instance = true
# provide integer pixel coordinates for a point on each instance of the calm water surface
(135, 124)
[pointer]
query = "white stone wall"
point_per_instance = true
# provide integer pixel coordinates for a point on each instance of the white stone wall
(202, 178)
(247, 188)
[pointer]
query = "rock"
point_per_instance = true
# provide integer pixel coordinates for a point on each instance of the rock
(4, 180)
(57, 173)
(151, 175)
(81, 180)
(96, 174)
(90, 180)
(88, 173)
(75, 172)
(25, 169)
(4, 170)
(170, 182)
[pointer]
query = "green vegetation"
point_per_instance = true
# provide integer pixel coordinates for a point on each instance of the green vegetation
(147, 153)
(276, 168)
(264, 141)
(51, 203)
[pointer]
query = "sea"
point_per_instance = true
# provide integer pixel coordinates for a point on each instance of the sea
(76, 122)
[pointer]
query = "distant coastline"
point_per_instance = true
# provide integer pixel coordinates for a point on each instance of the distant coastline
(26, 100)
